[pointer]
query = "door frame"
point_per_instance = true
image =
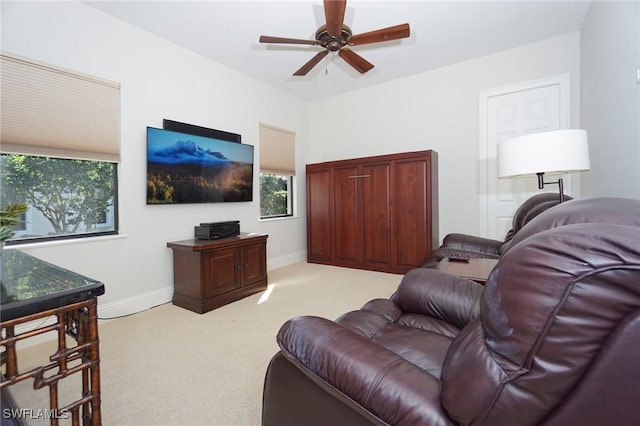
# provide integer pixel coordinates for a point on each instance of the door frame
(564, 83)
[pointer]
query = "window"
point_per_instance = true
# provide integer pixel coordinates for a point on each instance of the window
(59, 151)
(65, 197)
(276, 198)
(277, 172)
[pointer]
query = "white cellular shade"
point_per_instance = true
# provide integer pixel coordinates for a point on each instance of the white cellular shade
(277, 151)
(50, 111)
(558, 151)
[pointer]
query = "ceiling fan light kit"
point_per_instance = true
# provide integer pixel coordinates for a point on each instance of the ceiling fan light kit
(335, 36)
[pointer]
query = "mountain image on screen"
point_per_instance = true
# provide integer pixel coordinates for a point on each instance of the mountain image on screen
(183, 168)
(188, 152)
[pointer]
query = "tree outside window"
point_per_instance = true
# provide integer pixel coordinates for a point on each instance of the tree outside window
(275, 195)
(66, 196)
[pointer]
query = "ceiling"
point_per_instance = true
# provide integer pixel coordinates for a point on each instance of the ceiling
(442, 33)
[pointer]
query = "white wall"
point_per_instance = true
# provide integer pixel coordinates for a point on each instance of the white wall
(610, 54)
(437, 110)
(158, 80)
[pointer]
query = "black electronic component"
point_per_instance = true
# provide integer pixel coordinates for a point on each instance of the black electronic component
(216, 230)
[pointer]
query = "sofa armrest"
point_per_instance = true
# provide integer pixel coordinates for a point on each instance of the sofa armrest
(472, 243)
(440, 295)
(464, 245)
(435, 256)
(382, 382)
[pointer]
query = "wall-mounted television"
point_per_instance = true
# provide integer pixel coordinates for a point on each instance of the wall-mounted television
(184, 168)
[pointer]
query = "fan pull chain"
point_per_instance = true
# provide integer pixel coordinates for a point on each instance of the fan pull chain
(326, 65)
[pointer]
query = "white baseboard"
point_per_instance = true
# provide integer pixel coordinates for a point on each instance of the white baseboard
(279, 262)
(135, 304)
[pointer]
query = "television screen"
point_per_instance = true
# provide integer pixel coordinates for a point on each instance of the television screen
(183, 168)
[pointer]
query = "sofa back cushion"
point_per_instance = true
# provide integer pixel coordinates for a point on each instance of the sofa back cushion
(621, 211)
(547, 309)
(531, 208)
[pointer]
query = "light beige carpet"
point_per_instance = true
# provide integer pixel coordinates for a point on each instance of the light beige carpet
(170, 366)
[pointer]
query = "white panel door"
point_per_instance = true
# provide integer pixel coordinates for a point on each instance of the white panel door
(515, 112)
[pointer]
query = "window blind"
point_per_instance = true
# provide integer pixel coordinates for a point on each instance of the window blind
(277, 151)
(50, 111)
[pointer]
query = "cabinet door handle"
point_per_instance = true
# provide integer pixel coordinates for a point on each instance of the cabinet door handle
(359, 176)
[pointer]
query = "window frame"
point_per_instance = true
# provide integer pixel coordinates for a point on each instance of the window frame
(290, 197)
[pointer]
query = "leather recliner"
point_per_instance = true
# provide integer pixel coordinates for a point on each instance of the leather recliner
(550, 339)
(473, 247)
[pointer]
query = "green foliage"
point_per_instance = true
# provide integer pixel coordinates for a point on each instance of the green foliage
(273, 195)
(10, 216)
(69, 193)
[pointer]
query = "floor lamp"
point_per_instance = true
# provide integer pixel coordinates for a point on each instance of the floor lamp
(552, 152)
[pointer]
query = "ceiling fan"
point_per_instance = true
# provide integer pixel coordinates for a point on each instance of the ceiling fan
(335, 36)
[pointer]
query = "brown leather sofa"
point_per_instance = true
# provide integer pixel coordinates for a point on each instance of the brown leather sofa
(473, 247)
(551, 339)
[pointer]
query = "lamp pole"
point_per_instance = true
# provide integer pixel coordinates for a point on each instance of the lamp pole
(541, 184)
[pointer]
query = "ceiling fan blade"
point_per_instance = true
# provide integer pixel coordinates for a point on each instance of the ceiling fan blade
(334, 14)
(385, 34)
(304, 70)
(355, 60)
(283, 40)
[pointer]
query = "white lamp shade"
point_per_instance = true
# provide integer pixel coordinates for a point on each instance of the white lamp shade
(554, 152)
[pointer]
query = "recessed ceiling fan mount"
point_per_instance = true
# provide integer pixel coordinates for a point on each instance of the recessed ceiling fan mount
(335, 36)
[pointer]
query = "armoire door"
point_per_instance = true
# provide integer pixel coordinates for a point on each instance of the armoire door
(363, 214)
(319, 215)
(413, 239)
(347, 213)
(376, 213)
